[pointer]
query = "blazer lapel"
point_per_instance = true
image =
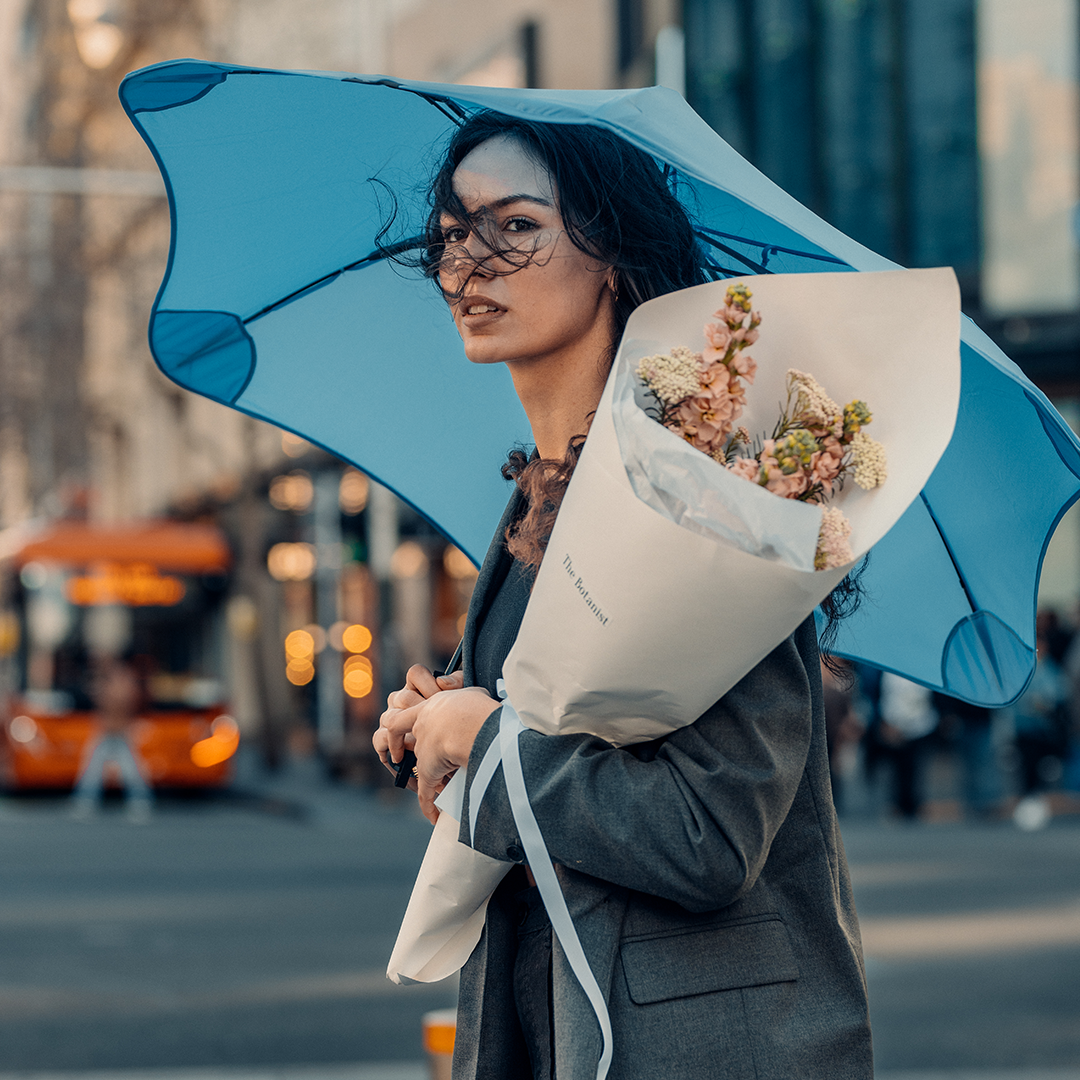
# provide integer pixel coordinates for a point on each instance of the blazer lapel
(489, 575)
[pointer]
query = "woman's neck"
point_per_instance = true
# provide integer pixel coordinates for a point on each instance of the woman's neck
(559, 394)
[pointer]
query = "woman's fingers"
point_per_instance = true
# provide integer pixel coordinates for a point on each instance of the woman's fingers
(396, 722)
(427, 796)
(428, 790)
(404, 699)
(440, 729)
(381, 741)
(455, 680)
(391, 746)
(398, 725)
(422, 681)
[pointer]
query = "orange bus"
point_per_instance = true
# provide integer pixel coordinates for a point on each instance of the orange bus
(152, 591)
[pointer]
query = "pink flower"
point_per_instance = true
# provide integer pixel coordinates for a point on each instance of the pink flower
(715, 376)
(746, 467)
(706, 421)
(833, 548)
(786, 485)
(744, 365)
(826, 464)
(717, 338)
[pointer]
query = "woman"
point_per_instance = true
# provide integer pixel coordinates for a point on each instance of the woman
(704, 871)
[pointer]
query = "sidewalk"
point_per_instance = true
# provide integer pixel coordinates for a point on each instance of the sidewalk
(384, 1071)
(419, 1071)
(990, 1074)
(301, 789)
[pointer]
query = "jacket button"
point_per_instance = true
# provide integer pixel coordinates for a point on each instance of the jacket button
(515, 854)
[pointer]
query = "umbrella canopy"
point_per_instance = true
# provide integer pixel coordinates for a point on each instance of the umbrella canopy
(279, 301)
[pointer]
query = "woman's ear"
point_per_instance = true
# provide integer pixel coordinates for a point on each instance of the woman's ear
(613, 283)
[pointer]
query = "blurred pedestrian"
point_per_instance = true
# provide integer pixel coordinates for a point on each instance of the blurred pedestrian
(843, 728)
(971, 729)
(1056, 633)
(903, 720)
(119, 695)
(1040, 725)
(1071, 670)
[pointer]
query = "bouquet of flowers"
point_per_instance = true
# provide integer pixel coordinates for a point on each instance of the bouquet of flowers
(668, 576)
(814, 445)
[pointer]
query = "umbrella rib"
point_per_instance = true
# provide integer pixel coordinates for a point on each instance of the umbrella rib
(766, 249)
(388, 252)
(948, 548)
(758, 268)
(721, 271)
(452, 111)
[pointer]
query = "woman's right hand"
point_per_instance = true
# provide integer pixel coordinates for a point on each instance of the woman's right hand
(420, 684)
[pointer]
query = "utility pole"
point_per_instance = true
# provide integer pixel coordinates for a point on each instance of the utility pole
(330, 715)
(382, 522)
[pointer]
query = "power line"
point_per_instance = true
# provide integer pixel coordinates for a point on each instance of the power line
(57, 180)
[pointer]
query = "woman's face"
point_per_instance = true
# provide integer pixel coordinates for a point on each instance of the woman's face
(557, 302)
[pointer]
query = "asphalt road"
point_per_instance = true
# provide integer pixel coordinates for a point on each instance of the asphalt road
(239, 934)
(972, 940)
(215, 935)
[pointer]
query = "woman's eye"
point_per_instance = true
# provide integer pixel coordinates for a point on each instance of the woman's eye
(454, 235)
(520, 224)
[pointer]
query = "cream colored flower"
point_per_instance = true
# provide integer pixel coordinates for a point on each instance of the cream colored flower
(833, 548)
(811, 399)
(672, 377)
(871, 466)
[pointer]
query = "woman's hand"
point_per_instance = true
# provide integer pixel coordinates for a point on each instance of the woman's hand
(440, 730)
(391, 740)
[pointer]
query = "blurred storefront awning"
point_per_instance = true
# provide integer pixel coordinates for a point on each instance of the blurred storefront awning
(167, 545)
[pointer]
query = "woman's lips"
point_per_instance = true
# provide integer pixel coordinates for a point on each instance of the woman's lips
(477, 310)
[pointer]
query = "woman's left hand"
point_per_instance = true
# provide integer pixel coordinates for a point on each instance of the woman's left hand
(444, 728)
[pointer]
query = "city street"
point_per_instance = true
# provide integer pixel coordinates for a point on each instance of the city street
(218, 934)
(972, 939)
(254, 931)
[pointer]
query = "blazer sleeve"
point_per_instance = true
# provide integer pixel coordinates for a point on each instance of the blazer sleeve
(690, 817)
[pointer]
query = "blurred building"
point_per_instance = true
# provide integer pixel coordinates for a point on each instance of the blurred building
(933, 131)
(936, 132)
(89, 429)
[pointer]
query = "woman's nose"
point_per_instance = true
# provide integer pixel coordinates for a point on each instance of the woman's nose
(467, 258)
(475, 253)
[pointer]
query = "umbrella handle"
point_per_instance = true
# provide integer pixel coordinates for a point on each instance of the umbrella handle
(407, 763)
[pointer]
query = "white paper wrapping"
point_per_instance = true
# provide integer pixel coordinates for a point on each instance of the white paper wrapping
(447, 907)
(667, 578)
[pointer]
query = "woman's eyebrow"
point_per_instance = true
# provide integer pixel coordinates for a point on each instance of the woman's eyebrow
(499, 204)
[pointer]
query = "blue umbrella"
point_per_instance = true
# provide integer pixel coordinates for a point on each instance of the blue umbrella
(279, 300)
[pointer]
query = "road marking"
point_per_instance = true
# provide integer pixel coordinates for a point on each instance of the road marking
(983, 1074)
(971, 934)
(393, 1070)
(420, 1071)
(27, 1002)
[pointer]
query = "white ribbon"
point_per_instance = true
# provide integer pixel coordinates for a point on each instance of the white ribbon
(536, 855)
(488, 764)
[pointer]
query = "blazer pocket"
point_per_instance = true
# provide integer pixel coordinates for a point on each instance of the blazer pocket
(725, 957)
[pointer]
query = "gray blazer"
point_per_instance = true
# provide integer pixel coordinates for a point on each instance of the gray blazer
(707, 881)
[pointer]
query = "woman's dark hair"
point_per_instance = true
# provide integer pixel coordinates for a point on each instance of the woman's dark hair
(836, 607)
(618, 205)
(616, 202)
